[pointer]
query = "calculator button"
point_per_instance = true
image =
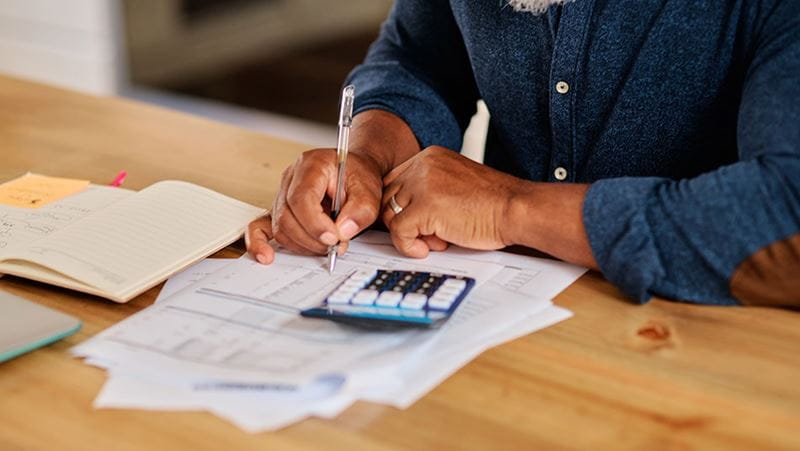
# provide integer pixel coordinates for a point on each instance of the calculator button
(452, 294)
(351, 287)
(414, 301)
(454, 283)
(439, 300)
(339, 297)
(446, 291)
(365, 297)
(389, 298)
(448, 297)
(440, 303)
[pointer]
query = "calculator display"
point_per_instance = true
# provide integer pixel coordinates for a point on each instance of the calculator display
(390, 298)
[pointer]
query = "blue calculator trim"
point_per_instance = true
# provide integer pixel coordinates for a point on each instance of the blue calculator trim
(332, 313)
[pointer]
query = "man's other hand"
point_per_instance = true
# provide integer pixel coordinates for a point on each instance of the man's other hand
(447, 198)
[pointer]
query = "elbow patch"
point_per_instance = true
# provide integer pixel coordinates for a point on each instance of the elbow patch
(770, 276)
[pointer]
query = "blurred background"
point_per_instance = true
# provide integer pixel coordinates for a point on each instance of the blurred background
(274, 66)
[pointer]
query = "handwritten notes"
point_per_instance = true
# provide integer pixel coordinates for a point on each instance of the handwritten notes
(34, 191)
(21, 226)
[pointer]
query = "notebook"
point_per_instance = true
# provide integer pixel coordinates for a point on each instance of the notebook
(116, 243)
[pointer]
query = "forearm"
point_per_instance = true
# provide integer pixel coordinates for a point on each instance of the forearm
(548, 217)
(383, 138)
(418, 70)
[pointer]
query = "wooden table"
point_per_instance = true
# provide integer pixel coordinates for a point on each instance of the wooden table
(660, 376)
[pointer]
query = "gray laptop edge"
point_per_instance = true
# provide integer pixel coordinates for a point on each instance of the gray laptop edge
(25, 326)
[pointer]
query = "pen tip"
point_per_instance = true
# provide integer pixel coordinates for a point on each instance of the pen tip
(331, 261)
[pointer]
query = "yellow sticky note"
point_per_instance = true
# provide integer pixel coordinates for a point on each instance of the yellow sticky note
(33, 190)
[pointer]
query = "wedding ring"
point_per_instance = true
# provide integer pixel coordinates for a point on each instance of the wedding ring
(396, 208)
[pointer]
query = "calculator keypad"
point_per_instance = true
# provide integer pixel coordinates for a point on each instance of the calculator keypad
(399, 289)
(388, 299)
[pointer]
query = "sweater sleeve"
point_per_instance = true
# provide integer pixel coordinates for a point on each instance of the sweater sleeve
(418, 69)
(730, 236)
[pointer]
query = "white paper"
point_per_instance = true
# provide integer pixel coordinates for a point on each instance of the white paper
(242, 323)
(201, 334)
(418, 378)
(192, 275)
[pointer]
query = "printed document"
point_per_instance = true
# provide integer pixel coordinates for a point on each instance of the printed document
(229, 333)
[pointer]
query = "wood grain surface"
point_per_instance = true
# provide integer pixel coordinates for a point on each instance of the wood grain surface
(664, 375)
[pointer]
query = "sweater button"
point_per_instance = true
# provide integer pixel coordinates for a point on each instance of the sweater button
(560, 173)
(562, 87)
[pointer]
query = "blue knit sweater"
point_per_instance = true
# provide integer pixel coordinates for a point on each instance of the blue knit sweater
(684, 116)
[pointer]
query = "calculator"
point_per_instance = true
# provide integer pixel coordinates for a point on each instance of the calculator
(387, 299)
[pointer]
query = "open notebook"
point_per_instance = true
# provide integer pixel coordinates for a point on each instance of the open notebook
(117, 243)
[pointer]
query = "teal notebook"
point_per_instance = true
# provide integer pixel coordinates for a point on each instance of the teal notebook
(25, 326)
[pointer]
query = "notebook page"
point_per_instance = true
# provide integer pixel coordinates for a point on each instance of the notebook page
(135, 243)
(20, 226)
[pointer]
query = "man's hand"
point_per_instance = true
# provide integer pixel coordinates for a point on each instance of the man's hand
(447, 198)
(300, 217)
(300, 220)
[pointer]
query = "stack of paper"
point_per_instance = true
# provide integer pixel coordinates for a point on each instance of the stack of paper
(226, 336)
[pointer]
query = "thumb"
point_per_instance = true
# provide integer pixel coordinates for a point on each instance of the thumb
(359, 211)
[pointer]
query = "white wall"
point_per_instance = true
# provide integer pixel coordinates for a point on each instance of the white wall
(70, 43)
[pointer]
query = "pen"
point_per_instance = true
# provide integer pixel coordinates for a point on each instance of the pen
(345, 121)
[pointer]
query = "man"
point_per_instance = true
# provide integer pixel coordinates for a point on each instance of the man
(656, 141)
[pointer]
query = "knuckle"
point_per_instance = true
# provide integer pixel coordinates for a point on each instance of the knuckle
(282, 239)
(386, 217)
(307, 155)
(253, 226)
(369, 210)
(297, 199)
(287, 171)
(313, 156)
(395, 224)
(281, 226)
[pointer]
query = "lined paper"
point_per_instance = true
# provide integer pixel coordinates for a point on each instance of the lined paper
(141, 240)
(20, 226)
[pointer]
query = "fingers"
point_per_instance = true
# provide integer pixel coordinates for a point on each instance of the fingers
(257, 237)
(401, 197)
(285, 228)
(304, 197)
(359, 211)
(290, 234)
(406, 236)
(435, 243)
